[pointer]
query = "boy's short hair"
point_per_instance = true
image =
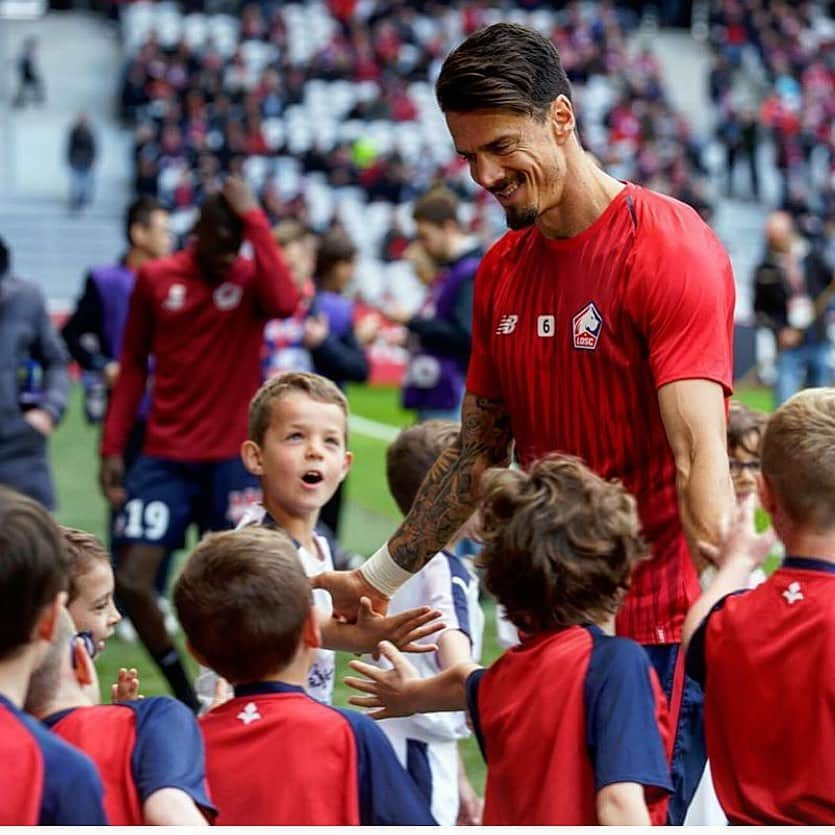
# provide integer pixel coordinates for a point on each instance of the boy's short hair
(33, 567)
(289, 232)
(243, 600)
(315, 386)
(798, 457)
(411, 455)
(83, 550)
(743, 425)
(438, 206)
(335, 246)
(560, 543)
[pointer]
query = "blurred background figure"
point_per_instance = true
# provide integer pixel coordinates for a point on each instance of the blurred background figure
(34, 385)
(30, 84)
(792, 291)
(81, 158)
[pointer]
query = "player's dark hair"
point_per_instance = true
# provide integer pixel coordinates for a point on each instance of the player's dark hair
(437, 206)
(745, 428)
(505, 67)
(5, 258)
(217, 217)
(33, 567)
(83, 551)
(243, 600)
(139, 212)
(315, 386)
(560, 543)
(411, 455)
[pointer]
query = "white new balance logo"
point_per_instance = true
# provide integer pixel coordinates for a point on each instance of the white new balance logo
(793, 593)
(507, 324)
(249, 713)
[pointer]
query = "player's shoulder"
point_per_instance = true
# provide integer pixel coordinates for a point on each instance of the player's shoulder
(616, 651)
(176, 265)
(61, 760)
(159, 709)
(366, 732)
(507, 250)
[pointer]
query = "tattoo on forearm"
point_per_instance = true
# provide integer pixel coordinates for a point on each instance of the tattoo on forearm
(450, 491)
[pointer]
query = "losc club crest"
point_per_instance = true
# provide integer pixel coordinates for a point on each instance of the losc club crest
(586, 327)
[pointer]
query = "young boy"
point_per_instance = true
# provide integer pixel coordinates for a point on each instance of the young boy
(274, 755)
(572, 722)
(149, 752)
(43, 780)
(427, 745)
(297, 447)
(765, 656)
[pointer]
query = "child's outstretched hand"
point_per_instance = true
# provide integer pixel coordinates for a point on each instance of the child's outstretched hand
(126, 688)
(223, 693)
(390, 691)
(739, 540)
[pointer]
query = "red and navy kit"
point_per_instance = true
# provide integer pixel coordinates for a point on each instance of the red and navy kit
(563, 715)
(44, 781)
(139, 747)
(206, 339)
(766, 661)
(277, 757)
(575, 337)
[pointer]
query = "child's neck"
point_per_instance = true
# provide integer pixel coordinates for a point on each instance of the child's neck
(819, 546)
(301, 528)
(14, 677)
(295, 672)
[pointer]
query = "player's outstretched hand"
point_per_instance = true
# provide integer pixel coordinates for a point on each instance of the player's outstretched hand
(403, 629)
(126, 688)
(111, 472)
(239, 195)
(389, 692)
(346, 589)
(739, 540)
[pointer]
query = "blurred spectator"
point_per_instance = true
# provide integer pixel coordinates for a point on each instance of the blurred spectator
(34, 384)
(791, 295)
(81, 158)
(29, 80)
(337, 348)
(441, 330)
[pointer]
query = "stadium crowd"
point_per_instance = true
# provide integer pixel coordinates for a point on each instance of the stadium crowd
(302, 148)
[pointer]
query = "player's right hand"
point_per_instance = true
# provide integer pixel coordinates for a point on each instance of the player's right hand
(239, 195)
(111, 473)
(346, 589)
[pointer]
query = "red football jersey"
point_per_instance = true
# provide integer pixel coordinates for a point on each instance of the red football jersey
(575, 337)
(206, 342)
(766, 661)
(562, 716)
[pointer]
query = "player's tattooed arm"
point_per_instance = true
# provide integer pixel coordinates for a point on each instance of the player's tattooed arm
(450, 490)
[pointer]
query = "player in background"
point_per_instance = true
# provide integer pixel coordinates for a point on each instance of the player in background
(95, 329)
(765, 656)
(572, 722)
(297, 448)
(43, 780)
(201, 314)
(602, 328)
(247, 610)
(427, 745)
(149, 752)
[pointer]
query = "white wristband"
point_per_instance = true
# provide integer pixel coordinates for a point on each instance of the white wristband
(382, 572)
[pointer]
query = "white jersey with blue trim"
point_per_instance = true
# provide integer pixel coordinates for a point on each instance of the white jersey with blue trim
(448, 584)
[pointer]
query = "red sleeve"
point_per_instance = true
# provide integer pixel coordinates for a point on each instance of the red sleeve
(682, 297)
(482, 379)
(274, 288)
(133, 369)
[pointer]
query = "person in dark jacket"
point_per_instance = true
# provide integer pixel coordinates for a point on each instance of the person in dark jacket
(336, 345)
(81, 157)
(790, 299)
(34, 385)
(441, 330)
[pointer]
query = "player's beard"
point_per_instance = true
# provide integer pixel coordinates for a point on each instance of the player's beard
(520, 217)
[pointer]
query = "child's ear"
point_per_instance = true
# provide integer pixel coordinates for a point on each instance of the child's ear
(767, 498)
(251, 456)
(85, 672)
(48, 621)
(346, 464)
(312, 634)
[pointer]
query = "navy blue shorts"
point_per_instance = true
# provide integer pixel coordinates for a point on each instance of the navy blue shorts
(165, 497)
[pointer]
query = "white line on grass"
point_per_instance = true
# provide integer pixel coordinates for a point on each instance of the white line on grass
(373, 429)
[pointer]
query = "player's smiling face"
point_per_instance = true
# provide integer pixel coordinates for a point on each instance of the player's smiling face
(303, 457)
(517, 158)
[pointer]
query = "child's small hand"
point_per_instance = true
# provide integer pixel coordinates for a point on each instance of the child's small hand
(470, 805)
(403, 629)
(388, 690)
(223, 693)
(126, 688)
(740, 540)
